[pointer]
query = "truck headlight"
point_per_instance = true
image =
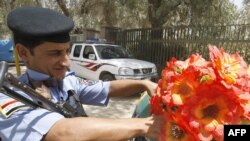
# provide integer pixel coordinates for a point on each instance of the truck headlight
(126, 71)
(154, 70)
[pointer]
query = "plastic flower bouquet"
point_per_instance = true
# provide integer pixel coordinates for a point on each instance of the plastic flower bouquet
(198, 97)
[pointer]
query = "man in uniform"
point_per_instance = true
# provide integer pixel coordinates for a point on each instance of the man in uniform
(41, 37)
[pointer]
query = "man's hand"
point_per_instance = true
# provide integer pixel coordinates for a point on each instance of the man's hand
(150, 87)
(153, 126)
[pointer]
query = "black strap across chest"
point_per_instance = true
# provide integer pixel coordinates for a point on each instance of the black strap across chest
(74, 101)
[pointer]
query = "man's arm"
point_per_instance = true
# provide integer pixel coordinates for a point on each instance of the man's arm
(96, 129)
(130, 87)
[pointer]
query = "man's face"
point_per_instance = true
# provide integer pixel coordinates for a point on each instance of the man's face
(50, 58)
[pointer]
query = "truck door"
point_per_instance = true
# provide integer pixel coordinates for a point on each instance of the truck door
(75, 59)
(89, 63)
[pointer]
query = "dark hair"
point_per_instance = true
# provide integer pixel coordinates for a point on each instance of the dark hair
(27, 42)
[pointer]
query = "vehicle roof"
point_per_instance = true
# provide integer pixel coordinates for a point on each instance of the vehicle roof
(94, 44)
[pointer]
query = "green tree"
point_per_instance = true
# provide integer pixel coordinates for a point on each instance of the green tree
(6, 6)
(212, 12)
(245, 12)
(190, 12)
(134, 13)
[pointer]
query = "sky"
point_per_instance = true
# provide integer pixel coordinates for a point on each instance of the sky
(237, 2)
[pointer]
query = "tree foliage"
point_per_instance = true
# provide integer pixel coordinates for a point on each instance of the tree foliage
(6, 6)
(190, 12)
(134, 13)
(245, 12)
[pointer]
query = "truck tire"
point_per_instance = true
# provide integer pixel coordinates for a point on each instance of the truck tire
(107, 77)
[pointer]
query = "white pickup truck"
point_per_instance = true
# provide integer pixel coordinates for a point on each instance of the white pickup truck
(108, 62)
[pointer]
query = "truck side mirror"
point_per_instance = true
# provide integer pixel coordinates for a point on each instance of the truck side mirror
(92, 56)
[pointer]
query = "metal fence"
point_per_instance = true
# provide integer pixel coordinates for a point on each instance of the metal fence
(160, 45)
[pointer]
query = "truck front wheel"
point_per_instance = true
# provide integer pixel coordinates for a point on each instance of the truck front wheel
(107, 77)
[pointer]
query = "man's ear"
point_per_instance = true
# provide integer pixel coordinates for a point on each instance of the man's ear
(23, 52)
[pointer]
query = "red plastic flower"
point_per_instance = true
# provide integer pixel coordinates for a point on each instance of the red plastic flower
(197, 97)
(212, 107)
(176, 129)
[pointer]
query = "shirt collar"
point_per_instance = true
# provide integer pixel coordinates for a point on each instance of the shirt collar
(38, 76)
(35, 75)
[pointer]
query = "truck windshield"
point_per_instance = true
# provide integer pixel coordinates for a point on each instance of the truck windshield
(112, 52)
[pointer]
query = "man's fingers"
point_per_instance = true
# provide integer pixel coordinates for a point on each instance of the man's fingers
(157, 123)
(151, 86)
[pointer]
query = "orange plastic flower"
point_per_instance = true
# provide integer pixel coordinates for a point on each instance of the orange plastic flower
(176, 129)
(156, 105)
(212, 107)
(197, 97)
(229, 67)
(184, 86)
(248, 70)
(196, 60)
(173, 69)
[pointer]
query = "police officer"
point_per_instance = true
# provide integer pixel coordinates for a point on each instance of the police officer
(41, 37)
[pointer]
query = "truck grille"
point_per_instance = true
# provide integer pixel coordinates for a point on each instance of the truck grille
(146, 71)
(143, 71)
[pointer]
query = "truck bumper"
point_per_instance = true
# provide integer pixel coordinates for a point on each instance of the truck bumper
(137, 77)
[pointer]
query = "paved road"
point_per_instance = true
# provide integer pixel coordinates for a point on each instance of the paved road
(117, 107)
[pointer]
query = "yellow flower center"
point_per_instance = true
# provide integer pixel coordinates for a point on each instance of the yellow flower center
(183, 88)
(230, 69)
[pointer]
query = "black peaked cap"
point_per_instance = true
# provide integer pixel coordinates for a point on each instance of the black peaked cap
(40, 23)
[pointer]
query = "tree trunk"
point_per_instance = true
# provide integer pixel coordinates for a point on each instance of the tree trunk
(63, 7)
(152, 10)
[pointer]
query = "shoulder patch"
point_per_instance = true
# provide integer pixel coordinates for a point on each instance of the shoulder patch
(87, 82)
(8, 106)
